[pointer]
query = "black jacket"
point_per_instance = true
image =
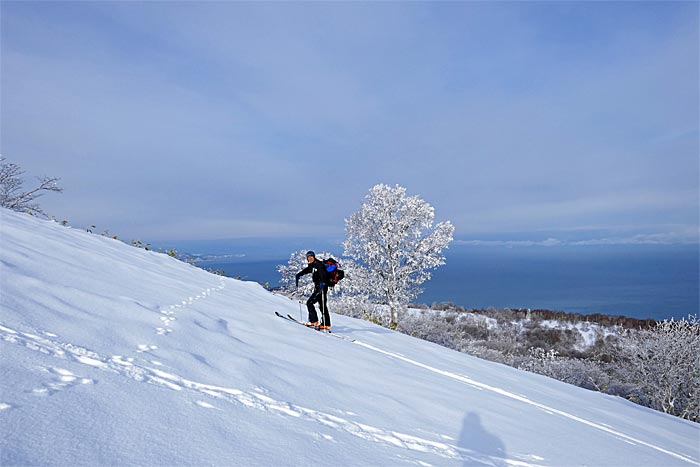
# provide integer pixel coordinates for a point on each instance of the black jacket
(319, 272)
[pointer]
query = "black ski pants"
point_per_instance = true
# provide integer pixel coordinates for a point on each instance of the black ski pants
(320, 296)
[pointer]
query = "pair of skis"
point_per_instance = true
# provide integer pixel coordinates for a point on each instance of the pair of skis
(291, 318)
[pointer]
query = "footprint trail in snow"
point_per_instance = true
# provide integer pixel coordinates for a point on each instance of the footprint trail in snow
(170, 311)
(255, 399)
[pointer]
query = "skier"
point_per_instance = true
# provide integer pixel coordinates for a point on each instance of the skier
(319, 295)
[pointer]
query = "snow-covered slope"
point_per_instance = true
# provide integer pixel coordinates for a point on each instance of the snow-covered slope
(112, 355)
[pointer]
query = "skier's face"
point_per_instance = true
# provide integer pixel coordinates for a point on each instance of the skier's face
(310, 259)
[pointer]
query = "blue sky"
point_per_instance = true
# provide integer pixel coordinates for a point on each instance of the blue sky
(530, 122)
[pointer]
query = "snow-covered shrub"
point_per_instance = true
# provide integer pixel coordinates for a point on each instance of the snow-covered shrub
(470, 327)
(582, 373)
(503, 317)
(504, 340)
(664, 362)
(478, 349)
(357, 306)
(436, 330)
(539, 360)
(564, 340)
(604, 347)
(393, 238)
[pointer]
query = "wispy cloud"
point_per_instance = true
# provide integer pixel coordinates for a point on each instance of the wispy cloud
(162, 116)
(511, 243)
(687, 236)
(669, 238)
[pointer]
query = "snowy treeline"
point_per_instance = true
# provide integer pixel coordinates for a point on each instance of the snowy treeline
(657, 366)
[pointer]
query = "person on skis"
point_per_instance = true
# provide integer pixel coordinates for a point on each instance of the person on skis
(319, 295)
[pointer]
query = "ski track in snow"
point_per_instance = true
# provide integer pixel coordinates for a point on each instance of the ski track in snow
(256, 399)
(169, 311)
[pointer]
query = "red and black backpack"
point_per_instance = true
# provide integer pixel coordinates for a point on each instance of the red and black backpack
(335, 274)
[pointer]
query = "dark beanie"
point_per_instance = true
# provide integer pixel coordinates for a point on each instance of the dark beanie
(310, 253)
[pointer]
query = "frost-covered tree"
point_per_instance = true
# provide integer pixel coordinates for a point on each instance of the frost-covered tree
(12, 195)
(393, 238)
(664, 362)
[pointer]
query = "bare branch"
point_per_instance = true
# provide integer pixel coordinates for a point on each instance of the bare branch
(11, 194)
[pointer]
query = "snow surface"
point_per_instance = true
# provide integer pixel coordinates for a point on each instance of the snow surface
(112, 355)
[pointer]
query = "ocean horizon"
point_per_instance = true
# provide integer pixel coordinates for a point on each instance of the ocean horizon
(639, 281)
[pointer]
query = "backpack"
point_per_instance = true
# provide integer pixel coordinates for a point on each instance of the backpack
(335, 274)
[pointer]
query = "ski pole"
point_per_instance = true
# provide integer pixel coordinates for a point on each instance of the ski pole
(324, 305)
(323, 312)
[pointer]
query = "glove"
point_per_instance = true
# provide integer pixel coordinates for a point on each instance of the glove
(297, 280)
(323, 285)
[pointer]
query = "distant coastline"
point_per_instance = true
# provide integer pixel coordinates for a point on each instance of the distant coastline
(636, 282)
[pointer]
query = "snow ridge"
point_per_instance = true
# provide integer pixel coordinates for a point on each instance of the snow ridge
(112, 355)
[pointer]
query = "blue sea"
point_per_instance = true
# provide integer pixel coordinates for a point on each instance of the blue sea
(638, 281)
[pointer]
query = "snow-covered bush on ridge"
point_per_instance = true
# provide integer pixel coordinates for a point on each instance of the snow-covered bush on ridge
(393, 239)
(579, 372)
(664, 363)
(657, 366)
(438, 331)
